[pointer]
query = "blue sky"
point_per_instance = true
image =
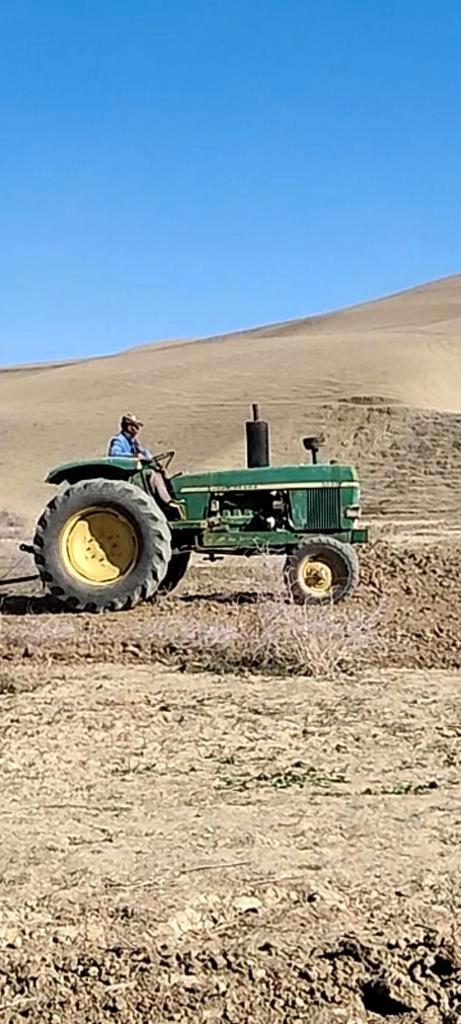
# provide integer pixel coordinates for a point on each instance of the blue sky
(180, 168)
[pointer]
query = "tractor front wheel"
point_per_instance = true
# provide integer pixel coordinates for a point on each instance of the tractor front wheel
(102, 545)
(322, 571)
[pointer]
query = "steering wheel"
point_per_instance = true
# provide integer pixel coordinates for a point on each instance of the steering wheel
(165, 459)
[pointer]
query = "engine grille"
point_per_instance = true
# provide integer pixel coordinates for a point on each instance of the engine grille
(323, 508)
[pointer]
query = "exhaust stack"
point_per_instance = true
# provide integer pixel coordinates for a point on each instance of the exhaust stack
(257, 440)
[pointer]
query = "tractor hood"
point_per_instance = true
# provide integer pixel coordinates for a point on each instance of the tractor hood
(270, 478)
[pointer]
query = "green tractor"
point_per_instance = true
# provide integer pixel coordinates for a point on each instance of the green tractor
(104, 543)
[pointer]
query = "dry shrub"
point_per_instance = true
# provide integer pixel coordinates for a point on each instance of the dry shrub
(270, 634)
(249, 625)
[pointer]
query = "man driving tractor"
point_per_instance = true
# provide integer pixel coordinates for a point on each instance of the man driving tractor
(125, 444)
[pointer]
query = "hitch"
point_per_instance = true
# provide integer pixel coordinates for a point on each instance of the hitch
(12, 580)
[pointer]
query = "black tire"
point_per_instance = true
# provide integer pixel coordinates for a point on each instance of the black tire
(140, 529)
(334, 576)
(177, 568)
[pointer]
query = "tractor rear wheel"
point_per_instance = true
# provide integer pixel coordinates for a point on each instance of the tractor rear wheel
(102, 545)
(177, 568)
(322, 571)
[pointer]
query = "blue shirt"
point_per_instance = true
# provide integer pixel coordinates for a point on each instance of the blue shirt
(124, 446)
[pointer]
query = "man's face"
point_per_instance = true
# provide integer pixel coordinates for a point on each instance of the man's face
(132, 429)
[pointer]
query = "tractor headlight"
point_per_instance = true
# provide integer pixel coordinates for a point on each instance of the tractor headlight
(352, 512)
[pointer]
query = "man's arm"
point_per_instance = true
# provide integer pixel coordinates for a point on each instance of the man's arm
(145, 454)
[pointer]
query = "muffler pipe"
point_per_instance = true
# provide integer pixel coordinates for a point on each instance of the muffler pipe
(257, 440)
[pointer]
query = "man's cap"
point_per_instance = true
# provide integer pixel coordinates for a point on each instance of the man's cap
(129, 417)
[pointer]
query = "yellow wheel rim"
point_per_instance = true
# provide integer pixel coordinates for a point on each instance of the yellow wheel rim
(99, 546)
(315, 577)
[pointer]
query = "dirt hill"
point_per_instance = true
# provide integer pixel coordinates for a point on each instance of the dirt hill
(383, 379)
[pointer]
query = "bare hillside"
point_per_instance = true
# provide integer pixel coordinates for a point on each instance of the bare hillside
(383, 378)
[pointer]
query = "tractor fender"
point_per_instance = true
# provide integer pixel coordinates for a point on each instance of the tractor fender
(91, 469)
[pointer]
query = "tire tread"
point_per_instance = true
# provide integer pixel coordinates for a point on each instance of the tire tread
(134, 500)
